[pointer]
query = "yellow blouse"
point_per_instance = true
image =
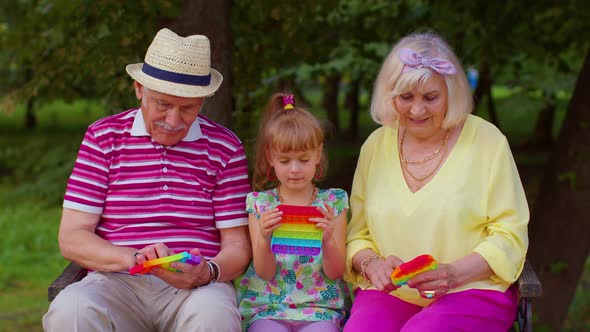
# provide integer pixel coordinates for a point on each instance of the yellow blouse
(475, 203)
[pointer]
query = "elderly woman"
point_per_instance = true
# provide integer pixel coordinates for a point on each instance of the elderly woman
(433, 180)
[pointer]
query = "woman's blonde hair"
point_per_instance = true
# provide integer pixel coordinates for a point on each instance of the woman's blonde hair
(391, 82)
(284, 130)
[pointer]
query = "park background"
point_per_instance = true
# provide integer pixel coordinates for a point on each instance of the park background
(62, 67)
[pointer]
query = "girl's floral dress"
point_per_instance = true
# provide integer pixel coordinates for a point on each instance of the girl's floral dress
(299, 290)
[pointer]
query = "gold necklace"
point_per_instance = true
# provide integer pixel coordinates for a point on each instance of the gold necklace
(314, 194)
(429, 158)
(405, 162)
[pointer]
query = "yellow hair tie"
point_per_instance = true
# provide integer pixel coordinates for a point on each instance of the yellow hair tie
(288, 102)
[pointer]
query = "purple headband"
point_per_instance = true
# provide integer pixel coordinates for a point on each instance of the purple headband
(414, 60)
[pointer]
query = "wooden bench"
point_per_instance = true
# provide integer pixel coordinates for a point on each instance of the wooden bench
(72, 273)
(528, 285)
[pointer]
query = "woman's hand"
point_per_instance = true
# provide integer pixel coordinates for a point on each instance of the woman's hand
(378, 272)
(269, 221)
(435, 283)
(448, 276)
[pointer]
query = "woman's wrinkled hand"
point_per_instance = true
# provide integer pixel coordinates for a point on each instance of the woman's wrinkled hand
(435, 283)
(378, 272)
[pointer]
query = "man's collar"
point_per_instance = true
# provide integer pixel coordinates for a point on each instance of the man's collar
(139, 129)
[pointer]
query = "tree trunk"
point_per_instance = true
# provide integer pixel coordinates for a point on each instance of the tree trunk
(544, 126)
(559, 228)
(212, 19)
(491, 105)
(352, 105)
(30, 116)
(330, 100)
(484, 89)
(483, 81)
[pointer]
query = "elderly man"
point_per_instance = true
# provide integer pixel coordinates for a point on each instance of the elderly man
(149, 183)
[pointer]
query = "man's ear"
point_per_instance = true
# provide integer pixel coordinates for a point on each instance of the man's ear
(138, 89)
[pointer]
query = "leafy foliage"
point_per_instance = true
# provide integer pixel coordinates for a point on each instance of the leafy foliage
(75, 49)
(78, 49)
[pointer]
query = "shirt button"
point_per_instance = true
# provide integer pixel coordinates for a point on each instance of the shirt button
(165, 169)
(165, 187)
(164, 153)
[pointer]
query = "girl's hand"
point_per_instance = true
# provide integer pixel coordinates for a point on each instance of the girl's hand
(329, 223)
(378, 272)
(435, 283)
(269, 221)
(333, 241)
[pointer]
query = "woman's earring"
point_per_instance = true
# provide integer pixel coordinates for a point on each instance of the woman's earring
(319, 171)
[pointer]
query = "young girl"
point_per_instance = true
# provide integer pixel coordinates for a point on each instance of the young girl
(286, 292)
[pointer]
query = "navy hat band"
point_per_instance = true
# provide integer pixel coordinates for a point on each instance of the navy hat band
(201, 80)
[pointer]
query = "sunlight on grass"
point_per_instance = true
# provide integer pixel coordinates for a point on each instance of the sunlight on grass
(57, 114)
(29, 243)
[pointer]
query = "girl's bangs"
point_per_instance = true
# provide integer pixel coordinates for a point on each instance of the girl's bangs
(295, 138)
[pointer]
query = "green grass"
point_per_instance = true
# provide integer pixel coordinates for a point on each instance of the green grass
(29, 248)
(518, 111)
(55, 115)
(34, 166)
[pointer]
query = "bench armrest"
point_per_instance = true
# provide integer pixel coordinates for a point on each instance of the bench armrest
(72, 273)
(528, 283)
(529, 287)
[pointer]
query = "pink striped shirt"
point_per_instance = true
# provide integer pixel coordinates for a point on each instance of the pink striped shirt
(180, 195)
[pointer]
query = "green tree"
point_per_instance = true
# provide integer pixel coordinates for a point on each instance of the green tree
(211, 18)
(559, 229)
(321, 44)
(75, 49)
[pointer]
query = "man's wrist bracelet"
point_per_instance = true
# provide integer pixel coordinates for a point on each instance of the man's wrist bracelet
(214, 271)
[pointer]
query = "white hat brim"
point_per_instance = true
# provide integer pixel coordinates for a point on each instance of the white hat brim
(175, 89)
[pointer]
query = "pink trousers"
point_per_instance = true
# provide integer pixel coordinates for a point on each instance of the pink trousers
(275, 325)
(470, 310)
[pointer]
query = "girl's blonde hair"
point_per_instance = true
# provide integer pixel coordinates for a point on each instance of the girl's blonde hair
(391, 82)
(284, 130)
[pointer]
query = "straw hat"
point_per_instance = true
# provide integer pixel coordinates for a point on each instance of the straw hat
(178, 66)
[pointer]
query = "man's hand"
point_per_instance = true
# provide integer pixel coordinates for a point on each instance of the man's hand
(190, 276)
(153, 251)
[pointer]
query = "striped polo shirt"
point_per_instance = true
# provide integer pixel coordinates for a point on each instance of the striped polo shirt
(146, 193)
